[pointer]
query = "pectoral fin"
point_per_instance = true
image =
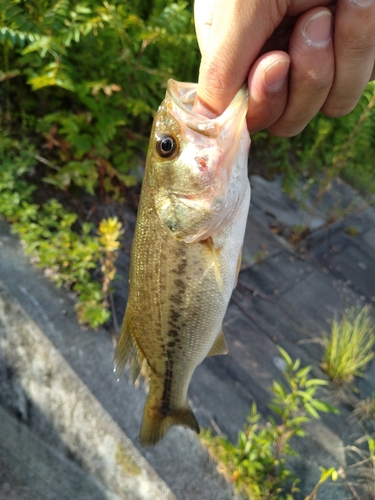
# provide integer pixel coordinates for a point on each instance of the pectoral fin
(181, 219)
(219, 346)
(215, 262)
(128, 351)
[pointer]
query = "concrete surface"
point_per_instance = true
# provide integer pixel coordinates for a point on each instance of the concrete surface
(64, 414)
(287, 295)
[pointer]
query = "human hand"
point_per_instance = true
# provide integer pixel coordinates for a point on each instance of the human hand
(298, 57)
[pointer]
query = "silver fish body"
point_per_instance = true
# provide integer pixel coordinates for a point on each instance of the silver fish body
(186, 251)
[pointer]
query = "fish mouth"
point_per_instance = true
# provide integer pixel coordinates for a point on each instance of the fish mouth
(183, 96)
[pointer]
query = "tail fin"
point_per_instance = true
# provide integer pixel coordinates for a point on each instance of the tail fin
(155, 425)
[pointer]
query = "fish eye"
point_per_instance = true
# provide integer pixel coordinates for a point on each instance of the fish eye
(167, 145)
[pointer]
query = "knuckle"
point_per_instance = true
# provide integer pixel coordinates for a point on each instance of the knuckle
(356, 45)
(338, 109)
(287, 128)
(317, 83)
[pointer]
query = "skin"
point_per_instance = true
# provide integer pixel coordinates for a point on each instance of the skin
(297, 56)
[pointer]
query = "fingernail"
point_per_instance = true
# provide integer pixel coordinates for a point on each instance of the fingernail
(363, 3)
(276, 75)
(318, 30)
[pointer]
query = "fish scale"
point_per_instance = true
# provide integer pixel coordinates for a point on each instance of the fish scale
(186, 252)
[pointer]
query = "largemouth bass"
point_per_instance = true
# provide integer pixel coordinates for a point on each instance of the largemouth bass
(186, 251)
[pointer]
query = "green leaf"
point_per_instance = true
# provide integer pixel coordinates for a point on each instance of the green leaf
(311, 410)
(285, 356)
(303, 372)
(323, 406)
(316, 381)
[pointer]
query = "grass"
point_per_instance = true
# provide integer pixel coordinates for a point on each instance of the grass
(349, 348)
(364, 412)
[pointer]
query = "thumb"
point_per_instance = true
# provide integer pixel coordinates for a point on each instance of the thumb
(230, 34)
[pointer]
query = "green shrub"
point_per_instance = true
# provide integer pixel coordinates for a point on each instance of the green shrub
(50, 239)
(92, 74)
(256, 464)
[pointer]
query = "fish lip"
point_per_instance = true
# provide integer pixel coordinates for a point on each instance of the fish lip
(210, 127)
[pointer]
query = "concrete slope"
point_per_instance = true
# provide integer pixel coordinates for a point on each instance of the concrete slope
(41, 388)
(31, 469)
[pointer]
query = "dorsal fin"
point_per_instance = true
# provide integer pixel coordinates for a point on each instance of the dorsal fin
(219, 346)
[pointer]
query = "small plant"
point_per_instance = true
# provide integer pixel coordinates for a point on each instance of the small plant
(110, 231)
(365, 467)
(257, 463)
(365, 409)
(325, 474)
(68, 252)
(67, 257)
(349, 348)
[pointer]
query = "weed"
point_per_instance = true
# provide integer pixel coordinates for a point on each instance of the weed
(88, 76)
(365, 409)
(349, 348)
(68, 257)
(325, 475)
(364, 468)
(110, 232)
(256, 464)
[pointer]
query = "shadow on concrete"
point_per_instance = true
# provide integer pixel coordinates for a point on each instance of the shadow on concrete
(34, 462)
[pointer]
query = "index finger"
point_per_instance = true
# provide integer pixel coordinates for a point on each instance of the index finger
(227, 52)
(231, 34)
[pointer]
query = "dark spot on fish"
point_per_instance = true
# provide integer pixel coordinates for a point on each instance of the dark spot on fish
(166, 396)
(176, 298)
(181, 268)
(174, 315)
(173, 333)
(171, 344)
(179, 251)
(180, 284)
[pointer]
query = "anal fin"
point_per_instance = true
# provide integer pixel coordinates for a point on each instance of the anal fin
(219, 346)
(127, 351)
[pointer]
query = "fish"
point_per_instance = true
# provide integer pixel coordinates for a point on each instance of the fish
(186, 252)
